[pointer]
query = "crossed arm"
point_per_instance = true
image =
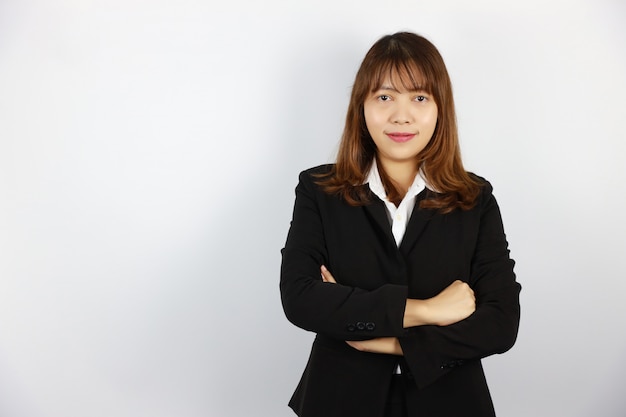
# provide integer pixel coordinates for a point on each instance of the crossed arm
(453, 304)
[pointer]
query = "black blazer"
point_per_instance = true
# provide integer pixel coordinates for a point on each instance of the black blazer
(375, 277)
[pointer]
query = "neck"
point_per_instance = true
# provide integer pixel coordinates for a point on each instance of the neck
(402, 174)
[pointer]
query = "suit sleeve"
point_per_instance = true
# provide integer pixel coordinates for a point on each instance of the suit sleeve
(335, 310)
(431, 351)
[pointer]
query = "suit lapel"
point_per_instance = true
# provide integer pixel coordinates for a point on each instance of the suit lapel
(418, 221)
(378, 214)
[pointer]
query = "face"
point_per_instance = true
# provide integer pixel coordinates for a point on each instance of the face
(401, 124)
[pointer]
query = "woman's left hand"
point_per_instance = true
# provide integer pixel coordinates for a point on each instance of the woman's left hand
(388, 345)
(327, 276)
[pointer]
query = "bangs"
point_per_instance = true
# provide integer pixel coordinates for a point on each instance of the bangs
(403, 74)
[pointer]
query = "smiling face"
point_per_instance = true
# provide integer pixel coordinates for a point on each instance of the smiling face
(401, 123)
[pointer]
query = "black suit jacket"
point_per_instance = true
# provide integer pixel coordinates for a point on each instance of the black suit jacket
(375, 277)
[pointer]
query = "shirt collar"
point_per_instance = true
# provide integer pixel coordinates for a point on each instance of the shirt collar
(376, 184)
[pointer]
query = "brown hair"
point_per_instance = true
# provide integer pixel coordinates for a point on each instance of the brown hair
(417, 64)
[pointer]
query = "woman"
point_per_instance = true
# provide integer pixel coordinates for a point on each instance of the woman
(396, 256)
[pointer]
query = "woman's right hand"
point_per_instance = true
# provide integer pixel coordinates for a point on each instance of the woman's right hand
(455, 303)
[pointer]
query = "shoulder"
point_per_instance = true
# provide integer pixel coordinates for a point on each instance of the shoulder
(310, 183)
(485, 186)
(320, 170)
(486, 201)
(313, 175)
(485, 195)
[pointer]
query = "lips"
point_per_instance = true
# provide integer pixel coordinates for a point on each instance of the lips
(400, 137)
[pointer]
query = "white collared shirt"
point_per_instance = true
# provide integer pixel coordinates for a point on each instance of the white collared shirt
(398, 216)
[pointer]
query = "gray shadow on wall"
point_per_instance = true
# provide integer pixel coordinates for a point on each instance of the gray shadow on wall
(313, 91)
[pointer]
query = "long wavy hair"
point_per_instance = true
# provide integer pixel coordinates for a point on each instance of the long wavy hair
(417, 64)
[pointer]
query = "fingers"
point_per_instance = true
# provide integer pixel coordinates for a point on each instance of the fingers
(327, 276)
(453, 304)
(353, 344)
(387, 345)
(465, 295)
(462, 288)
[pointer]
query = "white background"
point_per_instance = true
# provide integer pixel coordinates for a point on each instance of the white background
(148, 156)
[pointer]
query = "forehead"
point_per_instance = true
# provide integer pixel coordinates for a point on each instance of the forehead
(401, 76)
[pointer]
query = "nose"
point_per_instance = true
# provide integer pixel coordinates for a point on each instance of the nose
(401, 114)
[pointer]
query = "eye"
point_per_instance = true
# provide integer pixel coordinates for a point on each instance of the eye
(421, 98)
(384, 97)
